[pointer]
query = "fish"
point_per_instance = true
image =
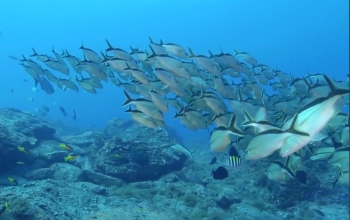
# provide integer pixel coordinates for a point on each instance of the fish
(184, 150)
(70, 157)
(220, 173)
(65, 147)
(56, 65)
(23, 150)
(195, 179)
(340, 158)
(20, 163)
(145, 106)
(13, 57)
(267, 142)
(321, 153)
(320, 110)
(174, 49)
(44, 85)
(13, 181)
(228, 91)
(5, 206)
(144, 119)
(63, 111)
(74, 115)
(234, 159)
(220, 137)
(190, 179)
(260, 126)
(279, 172)
(213, 161)
(67, 85)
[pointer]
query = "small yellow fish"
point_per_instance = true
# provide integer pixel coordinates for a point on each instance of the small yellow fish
(13, 181)
(22, 149)
(65, 147)
(70, 157)
(3, 209)
(19, 162)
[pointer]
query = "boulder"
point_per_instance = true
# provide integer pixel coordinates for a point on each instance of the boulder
(18, 128)
(137, 153)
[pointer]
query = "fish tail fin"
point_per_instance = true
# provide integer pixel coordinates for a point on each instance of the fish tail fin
(36, 83)
(221, 51)
(216, 116)
(287, 167)
(334, 90)
(309, 87)
(191, 52)
(150, 40)
(294, 127)
(153, 53)
(34, 53)
(262, 98)
(248, 119)
(128, 99)
(236, 52)
(109, 45)
(104, 58)
(335, 183)
(129, 109)
(311, 149)
(240, 97)
(118, 81)
(232, 126)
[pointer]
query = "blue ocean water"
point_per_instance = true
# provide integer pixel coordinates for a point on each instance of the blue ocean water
(293, 36)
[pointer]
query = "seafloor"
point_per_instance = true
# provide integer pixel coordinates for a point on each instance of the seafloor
(126, 171)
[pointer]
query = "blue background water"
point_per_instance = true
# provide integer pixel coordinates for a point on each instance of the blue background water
(290, 35)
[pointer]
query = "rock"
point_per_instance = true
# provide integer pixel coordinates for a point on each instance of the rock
(143, 154)
(82, 140)
(40, 174)
(50, 151)
(26, 124)
(66, 171)
(90, 187)
(54, 157)
(18, 128)
(100, 179)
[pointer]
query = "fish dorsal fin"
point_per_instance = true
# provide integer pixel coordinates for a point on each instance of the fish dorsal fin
(334, 90)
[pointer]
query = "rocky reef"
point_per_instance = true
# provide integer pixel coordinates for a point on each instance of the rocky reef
(126, 171)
